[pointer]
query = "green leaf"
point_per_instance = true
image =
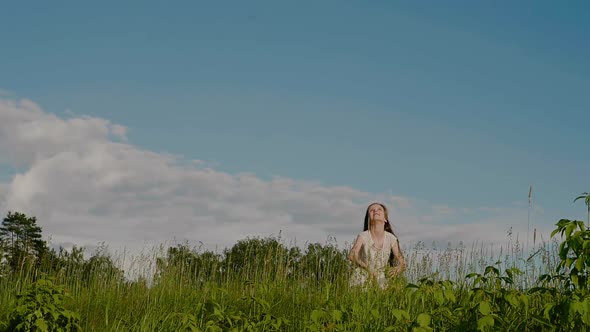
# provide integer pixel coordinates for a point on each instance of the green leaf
(561, 224)
(491, 269)
(574, 279)
(541, 320)
(525, 299)
(265, 305)
(399, 314)
(511, 298)
(547, 310)
(586, 311)
(375, 313)
(356, 307)
(569, 229)
(580, 263)
(41, 324)
(585, 196)
(337, 315)
(317, 315)
(485, 308)
(422, 329)
(450, 295)
(424, 320)
(484, 322)
(38, 313)
(574, 307)
(439, 297)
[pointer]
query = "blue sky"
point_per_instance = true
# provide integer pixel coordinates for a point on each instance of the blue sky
(461, 104)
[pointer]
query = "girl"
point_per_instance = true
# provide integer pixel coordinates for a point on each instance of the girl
(376, 250)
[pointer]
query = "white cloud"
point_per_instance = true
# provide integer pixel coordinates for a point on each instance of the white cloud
(28, 134)
(86, 184)
(443, 209)
(3, 193)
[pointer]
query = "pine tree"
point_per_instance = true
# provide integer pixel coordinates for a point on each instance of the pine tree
(21, 239)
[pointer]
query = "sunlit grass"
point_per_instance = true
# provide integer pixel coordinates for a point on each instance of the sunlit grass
(283, 284)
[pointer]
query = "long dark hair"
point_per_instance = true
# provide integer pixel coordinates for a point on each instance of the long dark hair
(387, 229)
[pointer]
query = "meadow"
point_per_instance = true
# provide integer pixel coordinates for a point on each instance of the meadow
(261, 284)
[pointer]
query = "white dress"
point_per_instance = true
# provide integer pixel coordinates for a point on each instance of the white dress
(376, 258)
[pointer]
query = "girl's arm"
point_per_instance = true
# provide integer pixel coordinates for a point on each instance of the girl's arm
(353, 255)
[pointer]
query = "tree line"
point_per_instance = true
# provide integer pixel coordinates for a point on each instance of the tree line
(23, 250)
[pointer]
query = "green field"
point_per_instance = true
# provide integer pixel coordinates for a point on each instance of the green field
(261, 284)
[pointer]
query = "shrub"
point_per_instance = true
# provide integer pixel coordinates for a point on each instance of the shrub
(40, 308)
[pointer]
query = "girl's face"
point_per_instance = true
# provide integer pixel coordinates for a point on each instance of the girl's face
(376, 213)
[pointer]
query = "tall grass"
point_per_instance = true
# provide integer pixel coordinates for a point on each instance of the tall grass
(293, 289)
(454, 262)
